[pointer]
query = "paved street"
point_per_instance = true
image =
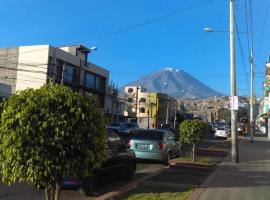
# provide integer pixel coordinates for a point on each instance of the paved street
(26, 192)
(250, 179)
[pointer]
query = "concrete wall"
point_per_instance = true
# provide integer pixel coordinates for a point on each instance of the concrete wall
(32, 66)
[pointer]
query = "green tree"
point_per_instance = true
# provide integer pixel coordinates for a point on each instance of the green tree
(192, 131)
(49, 133)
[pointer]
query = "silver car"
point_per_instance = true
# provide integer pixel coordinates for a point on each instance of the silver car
(155, 144)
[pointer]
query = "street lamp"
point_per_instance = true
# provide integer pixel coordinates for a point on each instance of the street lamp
(235, 156)
(94, 48)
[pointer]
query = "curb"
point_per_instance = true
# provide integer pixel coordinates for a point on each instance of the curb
(128, 187)
(190, 166)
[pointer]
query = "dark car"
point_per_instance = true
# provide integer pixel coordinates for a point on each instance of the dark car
(121, 162)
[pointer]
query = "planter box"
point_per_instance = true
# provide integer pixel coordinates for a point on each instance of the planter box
(192, 166)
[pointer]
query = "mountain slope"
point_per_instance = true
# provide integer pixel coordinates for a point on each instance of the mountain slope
(177, 83)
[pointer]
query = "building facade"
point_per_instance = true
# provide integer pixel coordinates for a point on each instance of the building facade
(33, 66)
(151, 109)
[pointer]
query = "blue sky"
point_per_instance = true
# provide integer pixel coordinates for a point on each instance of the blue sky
(175, 40)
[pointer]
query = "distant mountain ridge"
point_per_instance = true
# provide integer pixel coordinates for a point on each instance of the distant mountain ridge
(176, 83)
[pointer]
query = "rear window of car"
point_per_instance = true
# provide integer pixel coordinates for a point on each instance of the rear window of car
(149, 135)
(115, 124)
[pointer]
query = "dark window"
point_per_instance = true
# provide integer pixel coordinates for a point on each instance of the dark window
(59, 70)
(130, 100)
(142, 110)
(51, 73)
(149, 135)
(90, 80)
(68, 73)
(71, 74)
(97, 83)
(143, 100)
(130, 90)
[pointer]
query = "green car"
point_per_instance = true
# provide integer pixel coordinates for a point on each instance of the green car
(155, 144)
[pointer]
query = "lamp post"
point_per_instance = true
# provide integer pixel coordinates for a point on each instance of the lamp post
(234, 150)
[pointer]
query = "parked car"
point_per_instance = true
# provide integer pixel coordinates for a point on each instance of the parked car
(221, 132)
(116, 126)
(158, 144)
(121, 162)
(129, 128)
(124, 127)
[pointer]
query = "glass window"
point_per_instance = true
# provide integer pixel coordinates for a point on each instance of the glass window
(89, 80)
(68, 73)
(130, 90)
(130, 100)
(98, 83)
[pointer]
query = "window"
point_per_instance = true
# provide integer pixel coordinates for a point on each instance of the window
(90, 80)
(130, 100)
(68, 73)
(142, 110)
(142, 100)
(130, 90)
(71, 74)
(97, 83)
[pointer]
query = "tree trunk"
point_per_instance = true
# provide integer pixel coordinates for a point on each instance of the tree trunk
(57, 192)
(180, 151)
(47, 194)
(52, 192)
(193, 151)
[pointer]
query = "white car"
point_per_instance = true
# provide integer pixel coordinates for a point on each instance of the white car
(221, 132)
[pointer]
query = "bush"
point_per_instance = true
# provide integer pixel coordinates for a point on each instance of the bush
(49, 133)
(192, 131)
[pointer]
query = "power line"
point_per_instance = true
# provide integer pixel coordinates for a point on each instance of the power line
(263, 29)
(241, 48)
(247, 26)
(183, 10)
(24, 64)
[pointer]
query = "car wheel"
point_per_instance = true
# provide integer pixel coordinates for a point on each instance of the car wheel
(178, 153)
(131, 168)
(167, 159)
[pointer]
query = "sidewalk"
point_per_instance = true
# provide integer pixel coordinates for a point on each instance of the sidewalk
(248, 180)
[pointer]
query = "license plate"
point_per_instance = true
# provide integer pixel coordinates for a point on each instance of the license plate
(143, 146)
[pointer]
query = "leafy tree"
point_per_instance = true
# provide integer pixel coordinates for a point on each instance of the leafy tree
(49, 133)
(192, 131)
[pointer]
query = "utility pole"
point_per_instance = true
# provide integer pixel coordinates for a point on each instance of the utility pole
(137, 88)
(251, 96)
(148, 117)
(167, 111)
(235, 157)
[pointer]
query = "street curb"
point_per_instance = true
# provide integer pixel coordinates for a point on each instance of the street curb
(198, 191)
(124, 189)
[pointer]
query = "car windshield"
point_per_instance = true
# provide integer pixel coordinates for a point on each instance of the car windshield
(149, 135)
